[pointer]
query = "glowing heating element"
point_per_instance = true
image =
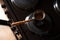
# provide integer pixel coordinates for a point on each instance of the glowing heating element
(2, 14)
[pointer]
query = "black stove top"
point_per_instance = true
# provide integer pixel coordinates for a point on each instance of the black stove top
(20, 12)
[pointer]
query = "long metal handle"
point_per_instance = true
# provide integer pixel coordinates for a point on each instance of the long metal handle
(21, 22)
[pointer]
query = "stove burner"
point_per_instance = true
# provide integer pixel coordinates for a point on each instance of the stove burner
(25, 4)
(42, 28)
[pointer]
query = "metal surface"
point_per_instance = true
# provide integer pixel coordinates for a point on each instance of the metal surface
(25, 4)
(32, 27)
(56, 6)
